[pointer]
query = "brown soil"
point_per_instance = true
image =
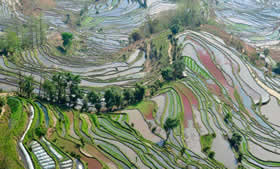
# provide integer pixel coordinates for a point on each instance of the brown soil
(34, 7)
(55, 39)
(169, 53)
(92, 163)
(51, 131)
(95, 153)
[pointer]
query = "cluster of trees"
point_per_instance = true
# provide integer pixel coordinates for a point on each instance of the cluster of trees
(115, 98)
(21, 36)
(175, 71)
(63, 88)
(26, 86)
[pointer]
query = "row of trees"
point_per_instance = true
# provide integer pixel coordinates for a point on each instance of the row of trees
(64, 88)
(115, 98)
(22, 36)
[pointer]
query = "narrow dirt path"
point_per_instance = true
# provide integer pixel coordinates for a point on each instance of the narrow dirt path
(169, 53)
(4, 108)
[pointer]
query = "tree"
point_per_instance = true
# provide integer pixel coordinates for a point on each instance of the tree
(73, 82)
(266, 52)
(66, 88)
(68, 19)
(158, 84)
(228, 118)
(10, 43)
(135, 36)
(98, 107)
(277, 68)
(2, 101)
(40, 131)
(167, 73)
(26, 86)
(49, 89)
(139, 92)
(175, 29)
(60, 82)
(67, 38)
(93, 97)
(75, 94)
(182, 151)
(178, 67)
(85, 105)
(42, 30)
(169, 125)
(129, 96)
(240, 157)
(113, 97)
(211, 155)
(235, 141)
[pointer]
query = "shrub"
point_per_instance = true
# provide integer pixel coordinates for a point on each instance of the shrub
(211, 155)
(40, 131)
(266, 52)
(2, 101)
(175, 28)
(14, 104)
(167, 73)
(135, 36)
(67, 38)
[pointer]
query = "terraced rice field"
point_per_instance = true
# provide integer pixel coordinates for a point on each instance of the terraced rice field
(236, 86)
(104, 30)
(218, 82)
(255, 21)
(221, 95)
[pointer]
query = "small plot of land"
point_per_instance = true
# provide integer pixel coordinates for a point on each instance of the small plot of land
(192, 139)
(147, 108)
(272, 111)
(136, 118)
